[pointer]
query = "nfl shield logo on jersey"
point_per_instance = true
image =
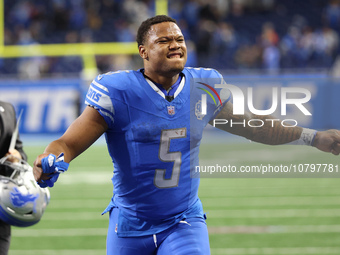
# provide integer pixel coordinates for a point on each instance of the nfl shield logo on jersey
(171, 110)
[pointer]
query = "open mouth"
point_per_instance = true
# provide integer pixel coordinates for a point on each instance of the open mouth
(175, 55)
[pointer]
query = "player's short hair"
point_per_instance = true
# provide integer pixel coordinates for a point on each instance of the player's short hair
(146, 24)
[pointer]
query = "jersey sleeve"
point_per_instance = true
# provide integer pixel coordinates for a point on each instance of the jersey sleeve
(98, 97)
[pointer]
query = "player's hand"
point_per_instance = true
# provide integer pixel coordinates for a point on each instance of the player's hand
(14, 156)
(47, 167)
(38, 173)
(328, 141)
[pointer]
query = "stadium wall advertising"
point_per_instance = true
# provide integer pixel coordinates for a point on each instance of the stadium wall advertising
(50, 106)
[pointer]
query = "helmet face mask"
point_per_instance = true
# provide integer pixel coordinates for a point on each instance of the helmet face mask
(9, 170)
(22, 201)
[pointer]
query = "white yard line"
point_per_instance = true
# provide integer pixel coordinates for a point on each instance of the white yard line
(276, 251)
(90, 175)
(248, 213)
(214, 251)
(271, 201)
(223, 201)
(273, 213)
(74, 216)
(287, 154)
(220, 230)
(59, 232)
(99, 203)
(56, 252)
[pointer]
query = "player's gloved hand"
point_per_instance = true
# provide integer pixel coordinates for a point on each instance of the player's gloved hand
(54, 166)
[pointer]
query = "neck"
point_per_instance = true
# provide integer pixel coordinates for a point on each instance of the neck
(166, 82)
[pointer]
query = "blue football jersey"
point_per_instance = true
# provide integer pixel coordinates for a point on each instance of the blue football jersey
(154, 144)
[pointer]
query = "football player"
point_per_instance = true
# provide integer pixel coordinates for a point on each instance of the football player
(153, 120)
(7, 127)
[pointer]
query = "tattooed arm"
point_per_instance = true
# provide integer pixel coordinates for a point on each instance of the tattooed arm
(269, 130)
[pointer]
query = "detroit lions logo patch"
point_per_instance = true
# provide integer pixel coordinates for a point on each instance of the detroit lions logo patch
(20, 200)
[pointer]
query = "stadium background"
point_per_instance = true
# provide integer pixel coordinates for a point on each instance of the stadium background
(50, 50)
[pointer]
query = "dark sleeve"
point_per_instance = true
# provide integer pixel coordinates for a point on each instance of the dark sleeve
(8, 123)
(19, 147)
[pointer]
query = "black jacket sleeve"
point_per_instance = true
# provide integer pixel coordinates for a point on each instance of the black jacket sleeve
(7, 126)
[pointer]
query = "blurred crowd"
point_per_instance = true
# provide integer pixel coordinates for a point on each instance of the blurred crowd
(234, 35)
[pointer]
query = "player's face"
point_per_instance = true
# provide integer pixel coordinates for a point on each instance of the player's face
(165, 49)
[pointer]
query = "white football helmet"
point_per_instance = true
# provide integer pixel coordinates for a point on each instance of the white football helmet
(22, 201)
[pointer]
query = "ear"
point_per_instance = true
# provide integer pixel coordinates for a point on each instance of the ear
(143, 52)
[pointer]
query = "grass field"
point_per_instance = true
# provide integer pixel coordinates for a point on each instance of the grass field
(245, 215)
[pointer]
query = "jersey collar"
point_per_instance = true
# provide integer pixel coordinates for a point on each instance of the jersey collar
(176, 88)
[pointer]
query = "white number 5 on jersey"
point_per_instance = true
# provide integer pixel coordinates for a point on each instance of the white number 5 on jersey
(166, 156)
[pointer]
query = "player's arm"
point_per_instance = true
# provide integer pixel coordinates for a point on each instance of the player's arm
(82, 133)
(273, 132)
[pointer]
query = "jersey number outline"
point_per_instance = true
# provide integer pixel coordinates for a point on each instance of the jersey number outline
(166, 156)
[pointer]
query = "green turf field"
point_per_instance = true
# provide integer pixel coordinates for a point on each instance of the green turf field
(245, 215)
